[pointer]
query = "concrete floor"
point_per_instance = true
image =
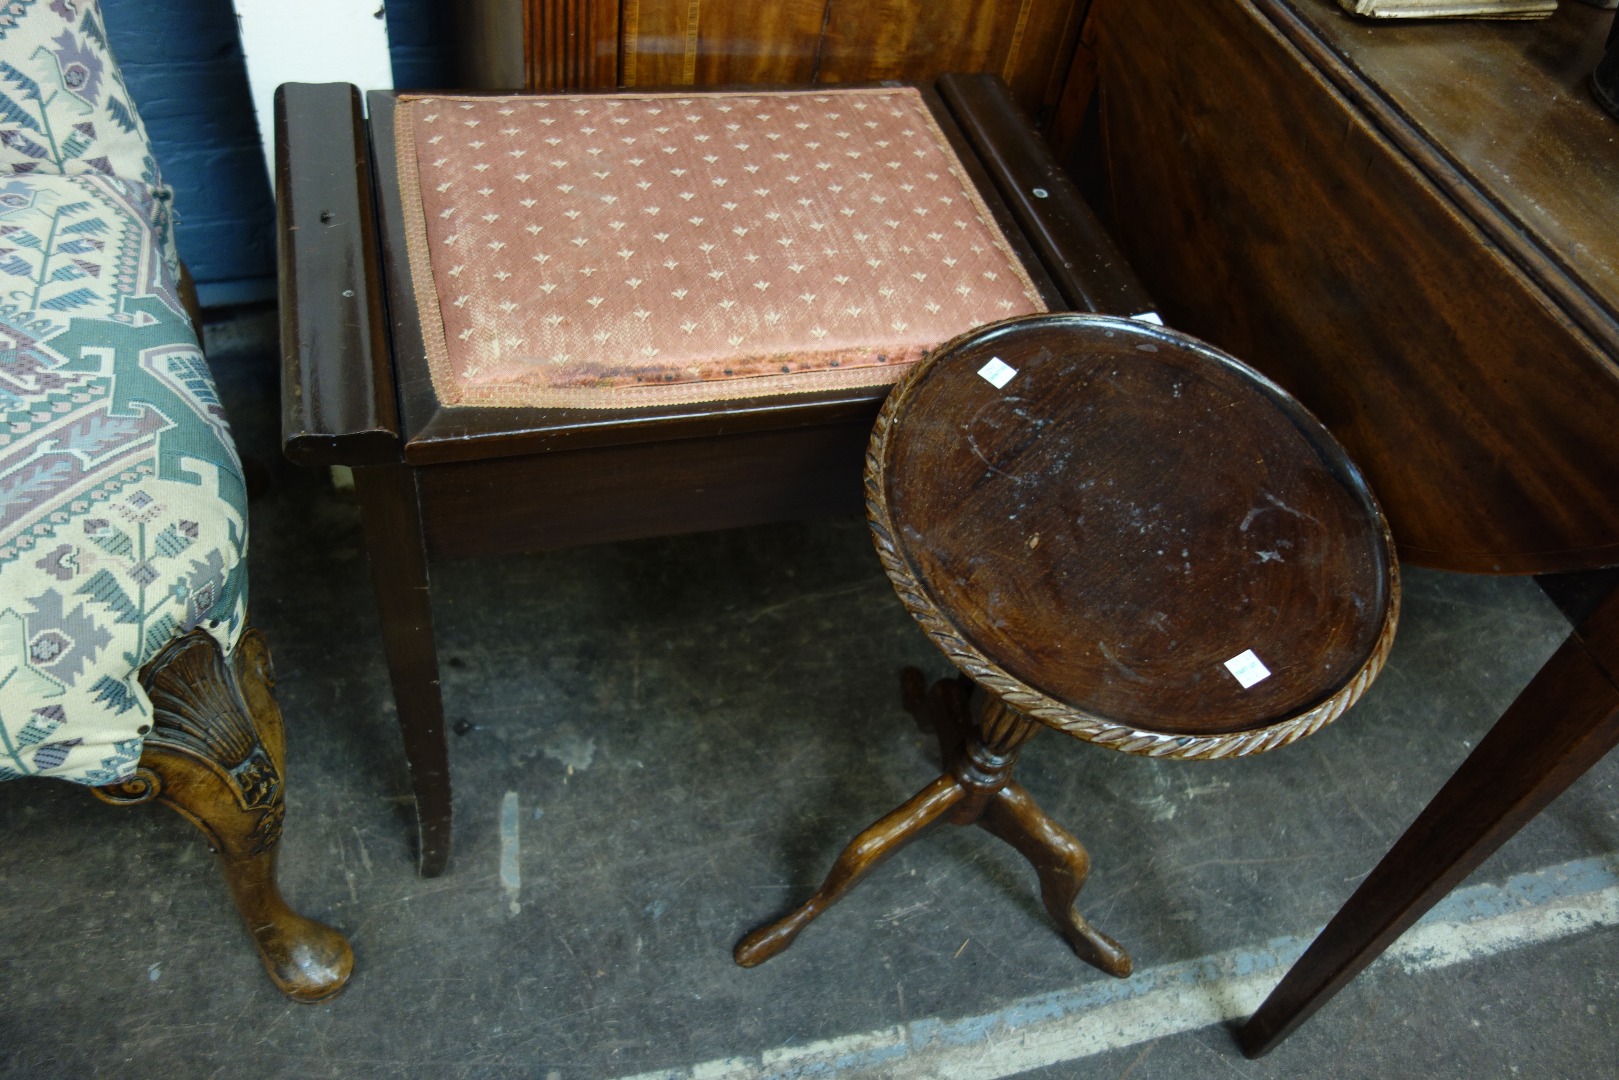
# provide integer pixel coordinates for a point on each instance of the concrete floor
(691, 729)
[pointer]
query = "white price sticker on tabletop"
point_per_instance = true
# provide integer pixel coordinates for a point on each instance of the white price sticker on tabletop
(997, 372)
(1247, 668)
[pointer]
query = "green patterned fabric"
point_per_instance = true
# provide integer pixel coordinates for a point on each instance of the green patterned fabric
(123, 516)
(64, 108)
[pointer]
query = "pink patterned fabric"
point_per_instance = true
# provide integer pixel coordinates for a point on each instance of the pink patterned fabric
(633, 249)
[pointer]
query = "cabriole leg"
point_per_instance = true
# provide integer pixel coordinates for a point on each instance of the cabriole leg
(892, 832)
(216, 754)
(1062, 864)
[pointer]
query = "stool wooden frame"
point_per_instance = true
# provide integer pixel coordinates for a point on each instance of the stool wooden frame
(356, 393)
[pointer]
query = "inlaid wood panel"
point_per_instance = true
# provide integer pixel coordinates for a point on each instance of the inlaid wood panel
(1025, 42)
(572, 43)
(670, 42)
(534, 45)
(581, 44)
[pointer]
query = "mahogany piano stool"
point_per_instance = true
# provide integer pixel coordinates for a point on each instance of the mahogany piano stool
(1119, 532)
(739, 276)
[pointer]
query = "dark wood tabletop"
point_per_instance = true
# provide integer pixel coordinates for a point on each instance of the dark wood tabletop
(1507, 104)
(1128, 512)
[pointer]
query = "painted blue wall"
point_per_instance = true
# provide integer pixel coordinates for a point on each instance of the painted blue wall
(418, 40)
(183, 62)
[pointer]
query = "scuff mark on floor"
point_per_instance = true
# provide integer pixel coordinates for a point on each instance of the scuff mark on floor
(511, 872)
(572, 750)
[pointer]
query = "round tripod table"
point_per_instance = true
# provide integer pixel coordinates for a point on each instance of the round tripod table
(1114, 530)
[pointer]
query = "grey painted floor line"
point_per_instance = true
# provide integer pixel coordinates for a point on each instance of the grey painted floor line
(1057, 1028)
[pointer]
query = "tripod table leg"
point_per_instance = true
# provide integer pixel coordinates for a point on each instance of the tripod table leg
(1062, 863)
(871, 847)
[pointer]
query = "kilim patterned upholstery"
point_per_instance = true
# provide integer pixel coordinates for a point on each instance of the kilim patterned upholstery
(633, 249)
(122, 509)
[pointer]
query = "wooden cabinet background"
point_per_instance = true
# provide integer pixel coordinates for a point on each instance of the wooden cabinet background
(1411, 228)
(581, 44)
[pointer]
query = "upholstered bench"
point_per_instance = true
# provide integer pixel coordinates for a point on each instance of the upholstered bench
(125, 662)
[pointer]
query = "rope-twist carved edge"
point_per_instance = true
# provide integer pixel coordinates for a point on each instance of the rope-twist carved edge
(976, 666)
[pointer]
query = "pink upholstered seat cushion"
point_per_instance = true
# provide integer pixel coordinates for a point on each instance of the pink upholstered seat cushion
(632, 249)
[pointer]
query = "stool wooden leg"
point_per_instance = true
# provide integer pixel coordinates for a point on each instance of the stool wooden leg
(216, 754)
(1062, 864)
(398, 555)
(857, 860)
(976, 789)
